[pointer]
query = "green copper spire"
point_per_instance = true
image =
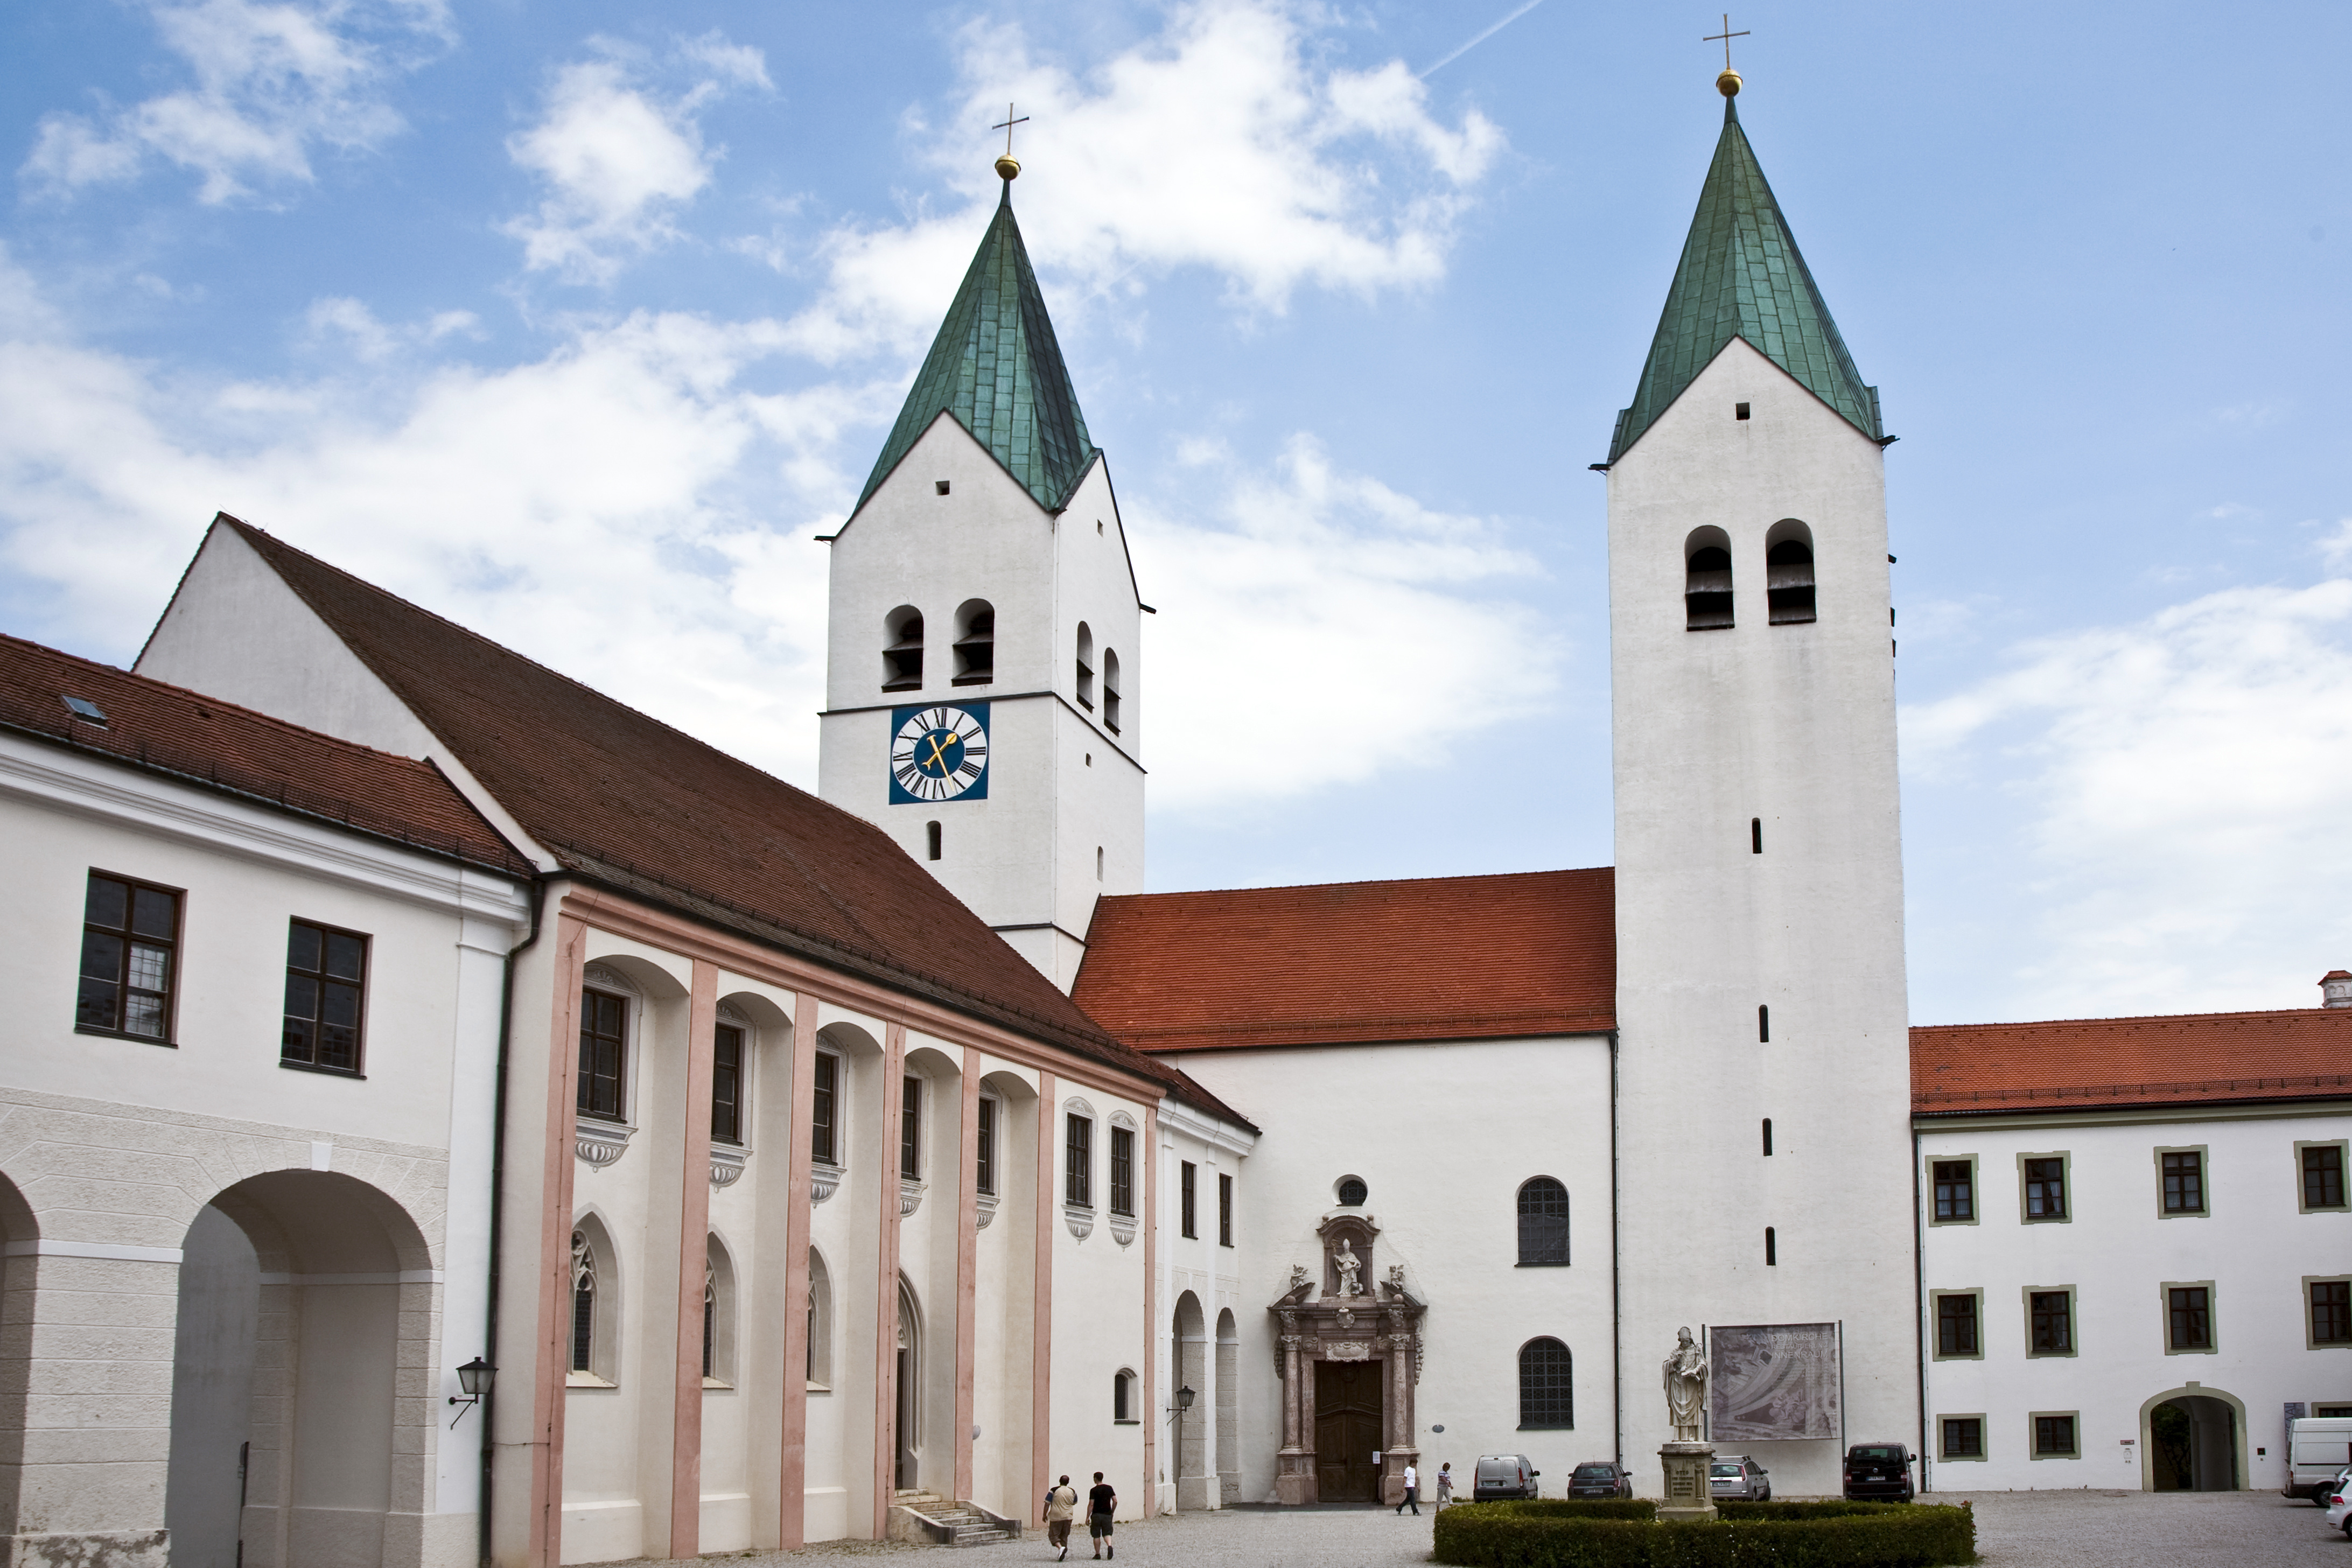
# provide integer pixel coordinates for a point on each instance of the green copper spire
(996, 367)
(1741, 276)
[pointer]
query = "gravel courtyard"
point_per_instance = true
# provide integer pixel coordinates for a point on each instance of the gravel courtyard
(2014, 1530)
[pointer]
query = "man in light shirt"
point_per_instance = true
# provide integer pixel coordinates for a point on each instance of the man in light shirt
(1411, 1491)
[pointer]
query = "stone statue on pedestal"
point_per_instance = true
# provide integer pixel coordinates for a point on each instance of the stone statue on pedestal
(1686, 1376)
(1348, 1266)
(1685, 1456)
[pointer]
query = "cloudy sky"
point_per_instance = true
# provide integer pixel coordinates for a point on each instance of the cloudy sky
(576, 322)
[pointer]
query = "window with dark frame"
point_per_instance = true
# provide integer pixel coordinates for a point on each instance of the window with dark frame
(2331, 1311)
(2054, 1434)
(2322, 1177)
(1543, 1223)
(1771, 1248)
(2045, 1189)
(603, 1054)
(709, 1323)
(584, 1304)
(1118, 1397)
(1077, 1161)
(1768, 1137)
(1122, 1171)
(2184, 1183)
(1956, 1325)
(129, 949)
(910, 1129)
(326, 991)
(984, 1178)
(1547, 1385)
(2053, 1316)
(2189, 1313)
(727, 1084)
(820, 1110)
(1225, 1211)
(1956, 1190)
(1963, 1437)
(1187, 1177)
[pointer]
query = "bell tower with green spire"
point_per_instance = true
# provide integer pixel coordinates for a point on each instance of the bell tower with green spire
(985, 699)
(1764, 1073)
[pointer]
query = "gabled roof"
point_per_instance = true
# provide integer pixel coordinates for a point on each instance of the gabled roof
(2076, 1064)
(997, 369)
(201, 741)
(625, 800)
(1445, 958)
(1741, 275)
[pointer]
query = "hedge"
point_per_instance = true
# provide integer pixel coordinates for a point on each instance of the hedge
(1626, 1534)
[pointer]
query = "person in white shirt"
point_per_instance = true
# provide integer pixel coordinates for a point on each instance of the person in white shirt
(1411, 1491)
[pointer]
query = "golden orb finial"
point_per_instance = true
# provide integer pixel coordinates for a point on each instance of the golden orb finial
(1008, 167)
(1728, 83)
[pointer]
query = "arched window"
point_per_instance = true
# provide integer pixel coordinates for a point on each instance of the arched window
(1706, 581)
(584, 1304)
(1547, 1385)
(902, 649)
(717, 1316)
(1124, 1405)
(1788, 572)
(820, 1324)
(1110, 692)
(590, 1362)
(1543, 1223)
(975, 643)
(1085, 667)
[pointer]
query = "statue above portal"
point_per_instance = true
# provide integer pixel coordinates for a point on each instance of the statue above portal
(1686, 1376)
(1350, 1265)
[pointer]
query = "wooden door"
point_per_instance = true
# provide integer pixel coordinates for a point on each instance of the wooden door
(1350, 1407)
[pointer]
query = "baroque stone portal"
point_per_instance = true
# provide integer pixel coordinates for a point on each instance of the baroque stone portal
(1349, 1360)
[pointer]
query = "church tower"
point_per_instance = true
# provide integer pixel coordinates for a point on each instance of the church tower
(983, 684)
(1763, 1111)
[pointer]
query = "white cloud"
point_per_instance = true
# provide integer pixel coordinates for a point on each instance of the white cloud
(2187, 781)
(351, 324)
(272, 82)
(1367, 607)
(619, 158)
(2336, 548)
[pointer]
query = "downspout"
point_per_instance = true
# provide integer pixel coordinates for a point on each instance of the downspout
(1616, 1305)
(498, 1195)
(1919, 1303)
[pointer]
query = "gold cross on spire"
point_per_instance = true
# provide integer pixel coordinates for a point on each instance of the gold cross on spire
(1728, 83)
(1008, 167)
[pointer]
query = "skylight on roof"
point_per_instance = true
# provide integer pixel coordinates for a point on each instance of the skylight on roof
(83, 708)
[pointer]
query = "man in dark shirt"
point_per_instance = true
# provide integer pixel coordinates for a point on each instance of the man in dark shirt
(1102, 1507)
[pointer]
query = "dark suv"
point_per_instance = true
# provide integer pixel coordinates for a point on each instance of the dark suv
(1601, 1478)
(1878, 1470)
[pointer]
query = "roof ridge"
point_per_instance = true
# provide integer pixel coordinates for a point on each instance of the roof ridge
(1362, 882)
(2127, 1018)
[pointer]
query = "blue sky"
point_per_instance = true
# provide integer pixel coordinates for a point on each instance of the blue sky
(576, 322)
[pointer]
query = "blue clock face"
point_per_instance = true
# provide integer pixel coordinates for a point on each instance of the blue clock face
(939, 753)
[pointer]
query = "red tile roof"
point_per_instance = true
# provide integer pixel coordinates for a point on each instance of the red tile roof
(623, 799)
(203, 740)
(2069, 1064)
(1447, 958)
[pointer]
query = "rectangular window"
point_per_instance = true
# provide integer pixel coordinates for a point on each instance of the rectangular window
(326, 986)
(2331, 1311)
(910, 1130)
(727, 1084)
(1191, 1228)
(2052, 1321)
(2053, 1436)
(2323, 1176)
(2045, 1188)
(129, 947)
(984, 1178)
(1963, 1436)
(2189, 1317)
(1225, 1211)
(1122, 1171)
(1078, 1161)
(1956, 1191)
(1956, 1325)
(604, 1055)
(2184, 1183)
(821, 1110)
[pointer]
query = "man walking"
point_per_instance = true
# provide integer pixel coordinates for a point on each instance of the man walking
(1102, 1509)
(1412, 1490)
(1061, 1502)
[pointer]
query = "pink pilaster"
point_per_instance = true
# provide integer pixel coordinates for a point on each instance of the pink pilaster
(1040, 1315)
(791, 1471)
(885, 1286)
(967, 1275)
(693, 1262)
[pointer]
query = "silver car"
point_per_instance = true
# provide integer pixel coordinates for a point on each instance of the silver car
(1737, 1476)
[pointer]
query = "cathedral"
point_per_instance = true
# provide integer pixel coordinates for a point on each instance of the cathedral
(676, 1161)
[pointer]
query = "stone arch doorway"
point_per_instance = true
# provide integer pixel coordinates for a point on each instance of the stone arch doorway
(302, 1294)
(2191, 1439)
(1187, 1364)
(907, 1426)
(1229, 1410)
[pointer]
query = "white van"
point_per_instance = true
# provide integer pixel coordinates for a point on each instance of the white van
(2319, 1447)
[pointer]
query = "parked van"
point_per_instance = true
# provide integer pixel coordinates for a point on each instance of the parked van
(2319, 1447)
(1504, 1475)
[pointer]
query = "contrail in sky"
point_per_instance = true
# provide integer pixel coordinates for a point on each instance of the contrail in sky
(1481, 39)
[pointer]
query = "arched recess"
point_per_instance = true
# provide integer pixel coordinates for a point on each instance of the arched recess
(1111, 689)
(820, 1324)
(975, 643)
(1004, 1296)
(2213, 1433)
(647, 1003)
(1229, 1409)
(593, 1315)
(1788, 572)
(19, 1230)
(907, 1428)
(336, 1276)
(1086, 666)
(718, 1307)
(1706, 579)
(902, 649)
(767, 1042)
(1187, 1368)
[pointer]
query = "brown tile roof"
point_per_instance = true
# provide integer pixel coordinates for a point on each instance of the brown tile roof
(625, 800)
(1444, 958)
(203, 740)
(2072, 1064)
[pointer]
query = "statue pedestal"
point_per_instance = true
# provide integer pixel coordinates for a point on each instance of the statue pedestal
(1689, 1497)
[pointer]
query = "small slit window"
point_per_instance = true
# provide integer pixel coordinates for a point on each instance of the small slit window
(931, 841)
(1086, 672)
(1771, 1248)
(1706, 579)
(975, 643)
(1788, 572)
(1768, 1135)
(902, 649)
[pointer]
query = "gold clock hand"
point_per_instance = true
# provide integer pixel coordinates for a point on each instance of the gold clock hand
(937, 755)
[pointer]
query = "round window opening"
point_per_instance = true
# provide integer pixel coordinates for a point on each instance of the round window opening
(1352, 1192)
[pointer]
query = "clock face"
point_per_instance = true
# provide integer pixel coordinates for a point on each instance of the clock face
(939, 753)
